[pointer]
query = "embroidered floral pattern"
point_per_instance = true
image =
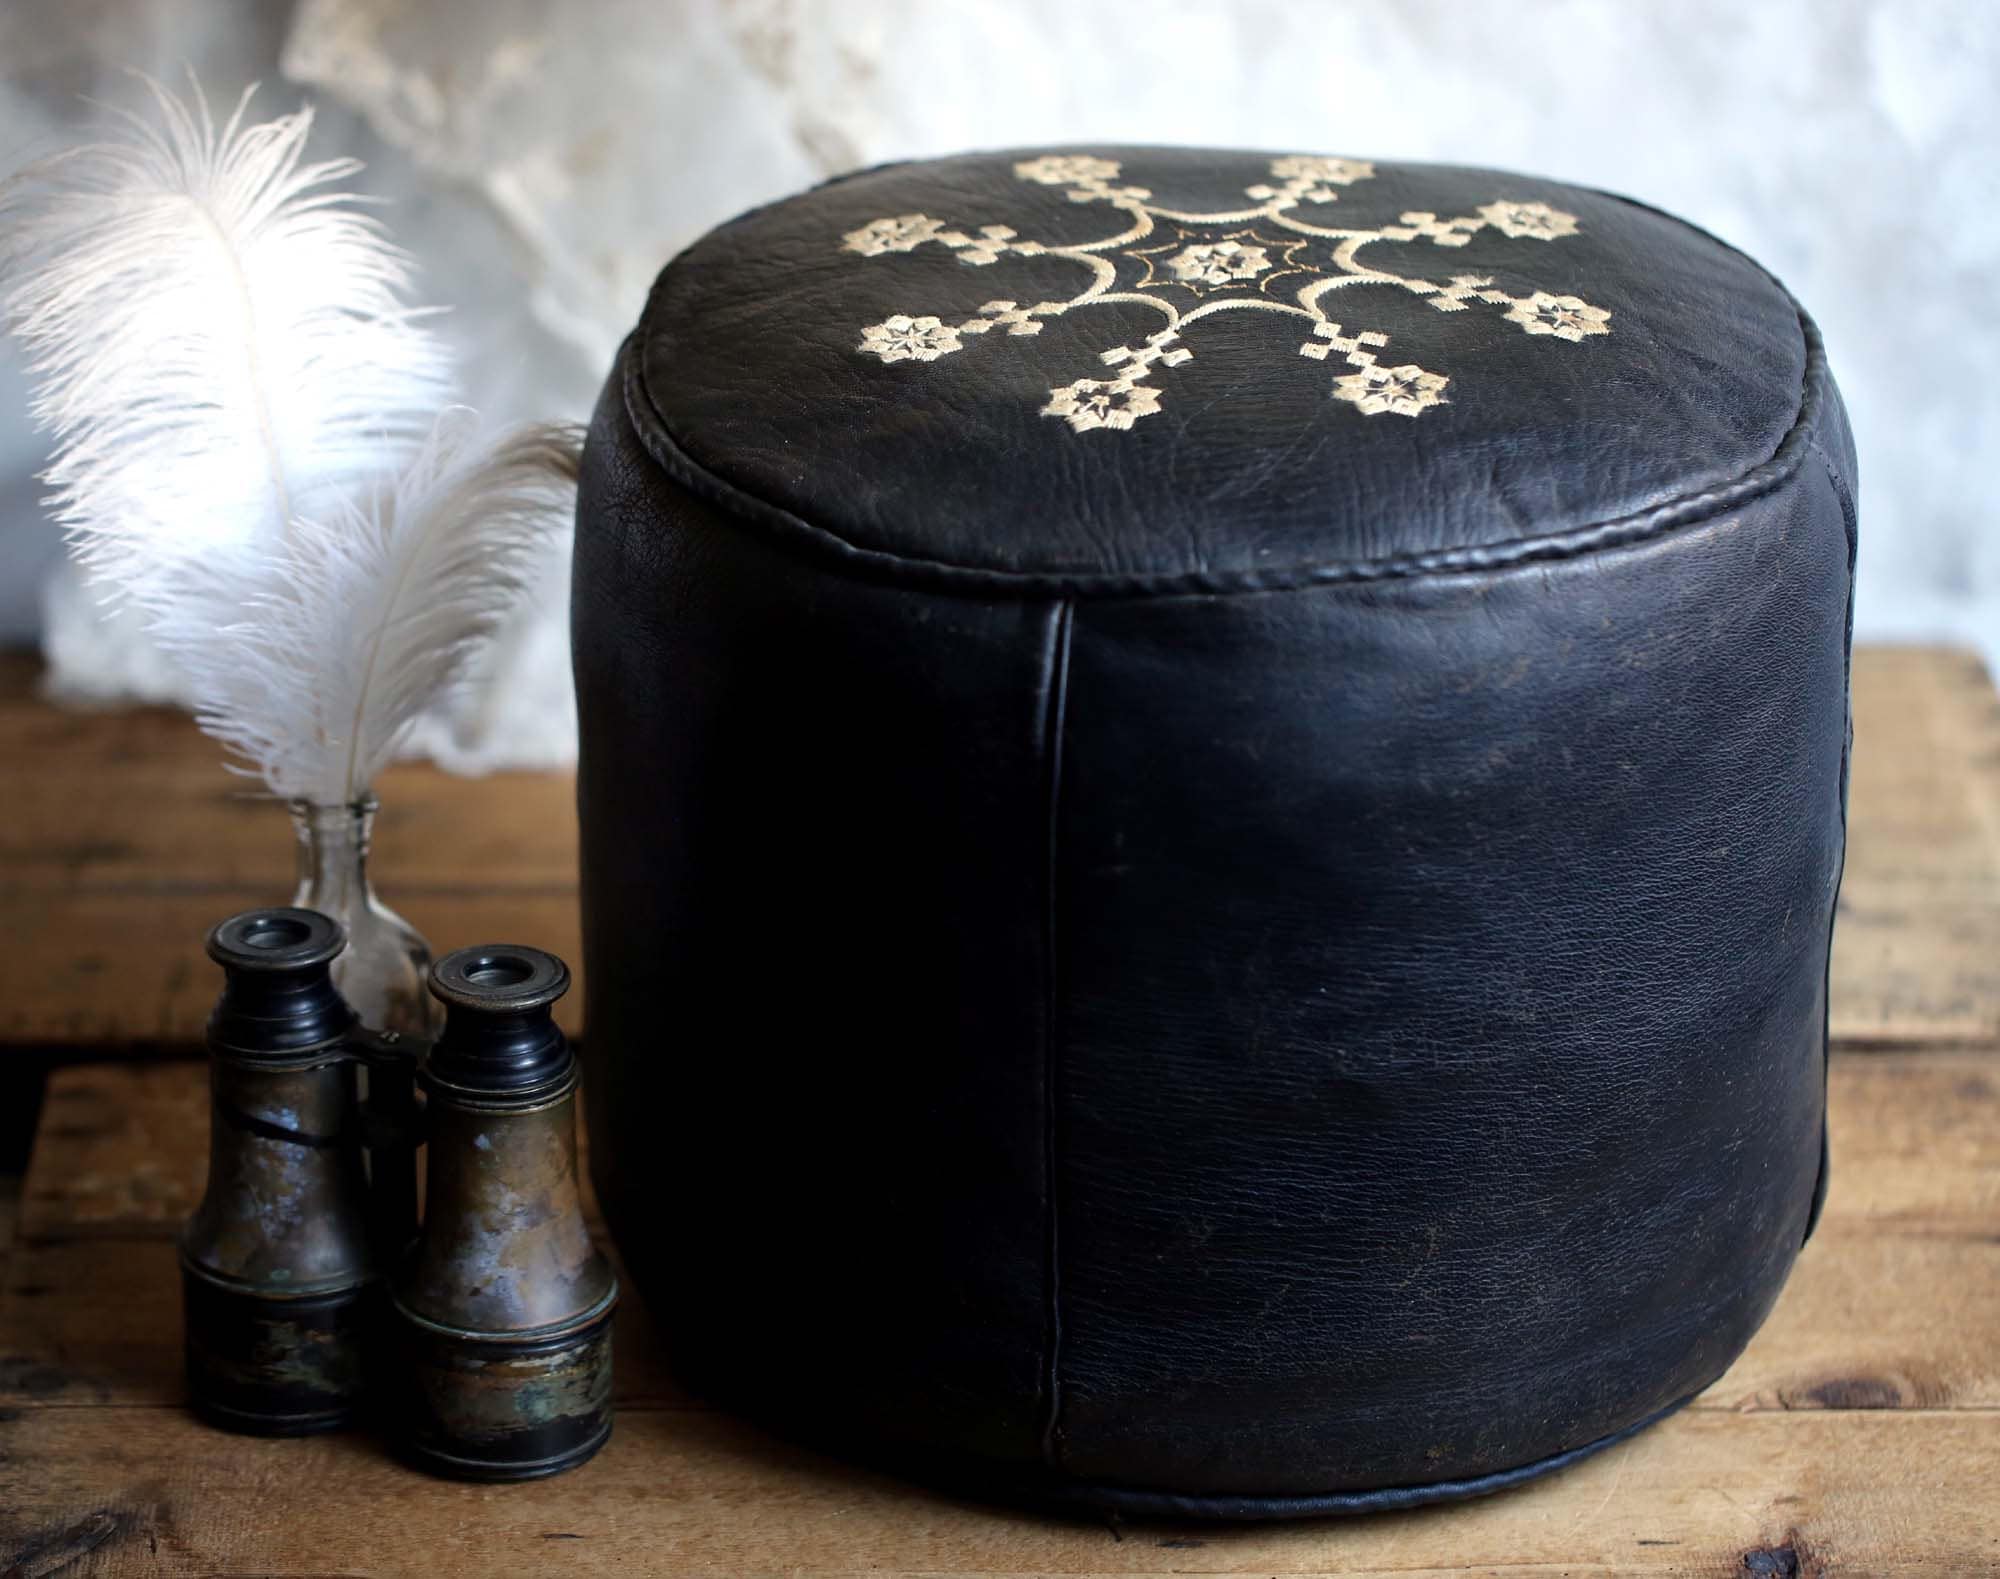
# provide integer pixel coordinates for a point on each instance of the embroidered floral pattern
(901, 338)
(1190, 266)
(1565, 317)
(1538, 220)
(1405, 390)
(905, 233)
(1312, 179)
(1067, 170)
(1203, 263)
(1089, 403)
(1219, 262)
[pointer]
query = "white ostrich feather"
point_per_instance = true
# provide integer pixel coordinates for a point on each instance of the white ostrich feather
(218, 343)
(381, 606)
(245, 443)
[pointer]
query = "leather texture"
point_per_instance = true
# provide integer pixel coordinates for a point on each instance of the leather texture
(1269, 958)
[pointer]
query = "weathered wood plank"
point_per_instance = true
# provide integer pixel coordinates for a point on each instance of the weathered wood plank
(10, 1212)
(1895, 1304)
(96, 971)
(77, 824)
(1915, 1140)
(1860, 1433)
(119, 1149)
(1874, 1317)
(96, 1322)
(127, 840)
(1917, 945)
(122, 1151)
(89, 1306)
(681, 1493)
(1915, 1135)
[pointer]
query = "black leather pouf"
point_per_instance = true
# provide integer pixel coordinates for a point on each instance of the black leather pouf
(1211, 798)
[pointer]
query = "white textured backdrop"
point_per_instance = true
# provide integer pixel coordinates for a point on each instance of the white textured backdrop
(545, 159)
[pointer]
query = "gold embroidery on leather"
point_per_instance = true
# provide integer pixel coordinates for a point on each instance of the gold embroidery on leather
(1263, 257)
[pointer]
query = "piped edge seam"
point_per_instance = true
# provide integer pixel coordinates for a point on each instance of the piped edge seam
(650, 426)
(945, 575)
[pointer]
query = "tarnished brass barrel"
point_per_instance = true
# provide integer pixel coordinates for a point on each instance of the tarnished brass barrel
(278, 1280)
(504, 1307)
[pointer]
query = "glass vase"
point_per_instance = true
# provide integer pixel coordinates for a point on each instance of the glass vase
(386, 964)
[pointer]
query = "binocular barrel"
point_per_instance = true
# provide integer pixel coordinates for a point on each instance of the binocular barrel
(504, 1307)
(308, 1285)
(279, 1279)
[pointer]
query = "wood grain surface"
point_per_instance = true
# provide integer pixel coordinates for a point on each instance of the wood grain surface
(125, 840)
(1858, 1435)
(88, 1311)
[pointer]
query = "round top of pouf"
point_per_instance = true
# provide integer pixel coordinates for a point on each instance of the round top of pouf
(1211, 369)
(1211, 795)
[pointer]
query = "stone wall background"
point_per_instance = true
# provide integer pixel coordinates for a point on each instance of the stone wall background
(543, 159)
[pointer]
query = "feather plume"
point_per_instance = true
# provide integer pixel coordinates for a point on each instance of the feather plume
(245, 446)
(382, 605)
(218, 342)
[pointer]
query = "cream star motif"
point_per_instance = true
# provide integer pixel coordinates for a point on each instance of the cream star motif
(900, 338)
(1407, 390)
(1193, 266)
(1218, 262)
(1528, 219)
(1205, 263)
(1089, 403)
(1311, 178)
(1566, 317)
(904, 233)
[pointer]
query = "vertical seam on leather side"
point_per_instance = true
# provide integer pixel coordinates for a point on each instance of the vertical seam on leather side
(1850, 521)
(1055, 709)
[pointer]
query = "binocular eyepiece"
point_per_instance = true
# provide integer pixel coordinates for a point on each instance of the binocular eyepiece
(311, 1289)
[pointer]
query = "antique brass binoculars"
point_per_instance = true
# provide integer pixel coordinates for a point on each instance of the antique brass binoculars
(481, 1335)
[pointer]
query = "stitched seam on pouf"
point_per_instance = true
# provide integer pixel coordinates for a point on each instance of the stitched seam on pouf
(1851, 524)
(1055, 714)
(1137, 1502)
(1571, 542)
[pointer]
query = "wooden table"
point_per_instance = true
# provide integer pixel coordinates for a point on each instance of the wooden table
(1860, 1435)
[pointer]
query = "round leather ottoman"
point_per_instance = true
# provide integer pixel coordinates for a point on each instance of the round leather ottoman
(1212, 790)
